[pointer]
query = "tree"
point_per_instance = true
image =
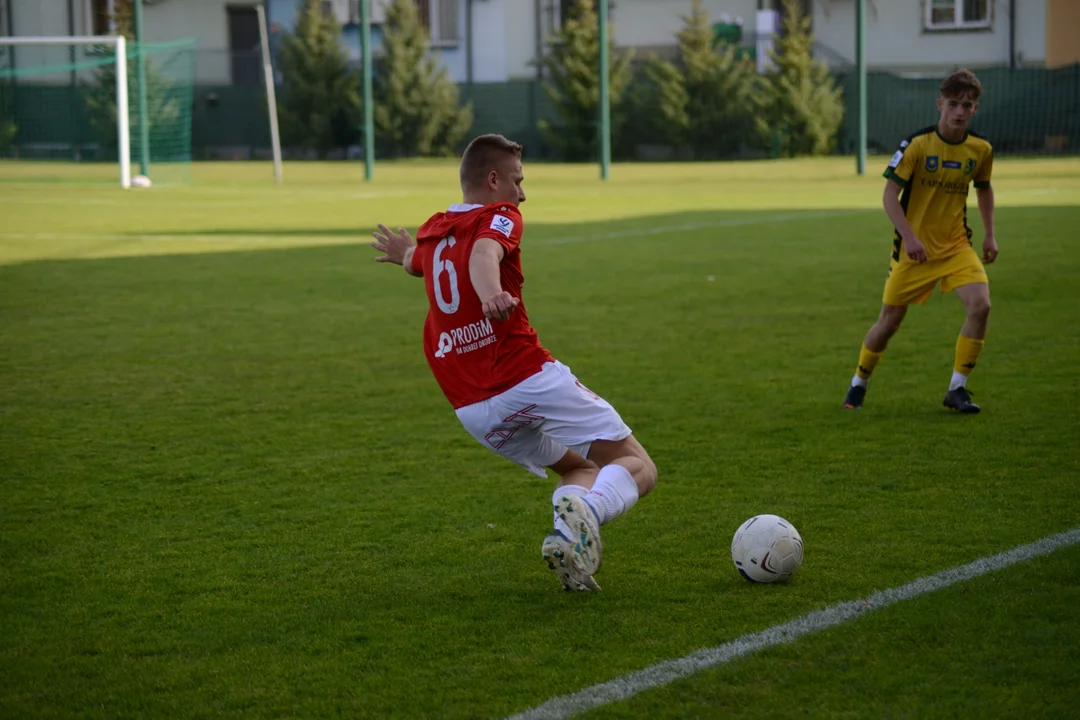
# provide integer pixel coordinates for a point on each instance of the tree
(704, 100)
(320, 108)
(573, 66)
(417, 106)
(802, 106)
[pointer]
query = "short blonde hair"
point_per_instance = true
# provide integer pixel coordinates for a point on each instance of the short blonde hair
(484, 154)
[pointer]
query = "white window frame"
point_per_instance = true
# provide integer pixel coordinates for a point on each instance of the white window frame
(435, 22)
(958, 22)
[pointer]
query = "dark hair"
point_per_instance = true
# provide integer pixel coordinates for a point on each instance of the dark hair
(484, 154)
(960, 83)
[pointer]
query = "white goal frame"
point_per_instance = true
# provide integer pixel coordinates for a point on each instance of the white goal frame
(123, 129)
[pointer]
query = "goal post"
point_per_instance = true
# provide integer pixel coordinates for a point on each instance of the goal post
(71, 98)
(119, 45)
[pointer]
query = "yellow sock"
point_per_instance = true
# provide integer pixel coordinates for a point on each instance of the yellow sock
(967, 354)
(868, 360)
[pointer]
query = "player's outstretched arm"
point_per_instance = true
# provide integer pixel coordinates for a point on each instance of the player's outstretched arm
(891, 200)
(484, 274)
(397, 247)
(985, 196)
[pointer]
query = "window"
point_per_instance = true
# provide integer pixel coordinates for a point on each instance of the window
(99, 17)
(440, 17)
(244, 45)
(957, 14)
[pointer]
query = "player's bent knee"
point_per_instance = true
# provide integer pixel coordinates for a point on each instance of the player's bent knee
(980, 310)
(630, 454)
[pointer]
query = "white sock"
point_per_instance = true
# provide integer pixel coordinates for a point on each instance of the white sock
(613, 493)
(958, 381)
(859, 381)
(560, 524)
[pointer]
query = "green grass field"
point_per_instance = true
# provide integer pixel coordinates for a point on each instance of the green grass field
(230, 486)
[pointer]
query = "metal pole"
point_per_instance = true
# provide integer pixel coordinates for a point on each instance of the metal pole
(123, 130)
(144, 111)
(605, 99)
(369, 109)
(271, 98)
(860, 71)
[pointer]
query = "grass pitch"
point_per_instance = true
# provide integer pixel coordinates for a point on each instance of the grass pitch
(232, 488)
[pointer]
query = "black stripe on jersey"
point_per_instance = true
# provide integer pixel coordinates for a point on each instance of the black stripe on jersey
(898, 239)
(966, 228)
(917, 133)
(901, 149)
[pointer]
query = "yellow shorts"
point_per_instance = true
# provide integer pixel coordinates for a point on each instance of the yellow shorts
(913, 282)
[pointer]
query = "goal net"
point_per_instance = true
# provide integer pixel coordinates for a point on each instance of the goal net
(87, 105)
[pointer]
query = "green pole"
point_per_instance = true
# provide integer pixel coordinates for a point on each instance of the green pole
(860, 70)
(144, 112)
(369, 111)
(605, 100)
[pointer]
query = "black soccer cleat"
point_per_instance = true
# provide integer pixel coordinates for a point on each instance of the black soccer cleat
(960, 401)
(855, 394)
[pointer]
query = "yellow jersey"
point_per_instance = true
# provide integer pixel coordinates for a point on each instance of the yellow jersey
(935, 175)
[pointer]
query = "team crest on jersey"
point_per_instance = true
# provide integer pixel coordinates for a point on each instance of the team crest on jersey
(931, 163)
(969, 167)
(503, 224)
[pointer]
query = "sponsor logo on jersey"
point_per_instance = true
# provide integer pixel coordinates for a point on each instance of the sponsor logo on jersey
(502, 224)
(931, 163)
(466, 338)
(951, 188)
(951, 164)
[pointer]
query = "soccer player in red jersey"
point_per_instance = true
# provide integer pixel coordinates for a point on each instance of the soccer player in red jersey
(507, 390)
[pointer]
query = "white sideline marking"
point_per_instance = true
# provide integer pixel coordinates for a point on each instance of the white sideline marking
(729, 222)
(663, 673)
(361, 235)
(163, 202)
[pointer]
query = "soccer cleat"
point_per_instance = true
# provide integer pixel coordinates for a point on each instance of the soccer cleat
(558, 552)
(588, 550)
(960, 401)
(854, 397)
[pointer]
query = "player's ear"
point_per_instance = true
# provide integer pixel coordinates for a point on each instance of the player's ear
(493, 179)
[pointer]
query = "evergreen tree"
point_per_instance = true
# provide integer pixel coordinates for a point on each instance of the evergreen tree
(164, 105)
(573, 66)
(417, 106)
(802, 106)
(320, 106)
(703, 101)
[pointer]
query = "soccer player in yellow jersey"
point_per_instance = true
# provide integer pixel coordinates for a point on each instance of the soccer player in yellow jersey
(926, 199)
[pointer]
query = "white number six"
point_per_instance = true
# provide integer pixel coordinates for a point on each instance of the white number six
(447, 306)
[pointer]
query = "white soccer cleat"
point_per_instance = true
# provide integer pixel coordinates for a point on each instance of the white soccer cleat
(558, 552)
(588, 550)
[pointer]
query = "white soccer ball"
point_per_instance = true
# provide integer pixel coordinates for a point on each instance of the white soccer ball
(767, 549)
(141, 181)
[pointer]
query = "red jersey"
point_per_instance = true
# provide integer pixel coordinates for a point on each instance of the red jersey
(474, 358)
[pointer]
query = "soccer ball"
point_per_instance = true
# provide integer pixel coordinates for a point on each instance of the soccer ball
(767, 549)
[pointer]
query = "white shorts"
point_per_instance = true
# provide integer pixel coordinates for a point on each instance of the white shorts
(535, 422)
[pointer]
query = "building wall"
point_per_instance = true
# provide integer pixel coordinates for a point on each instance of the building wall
(1062, 32)
(204, 20)
(897, 41)
(648, 23)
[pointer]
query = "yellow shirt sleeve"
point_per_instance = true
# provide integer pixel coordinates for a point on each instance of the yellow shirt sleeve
(903, 163)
